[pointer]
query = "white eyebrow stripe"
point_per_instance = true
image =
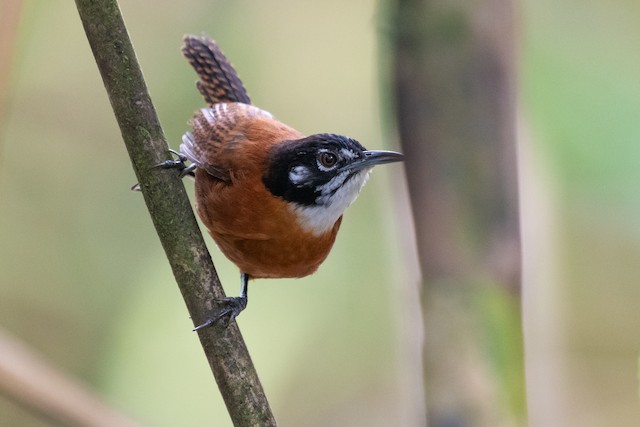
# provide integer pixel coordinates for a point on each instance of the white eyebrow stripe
(348, 153)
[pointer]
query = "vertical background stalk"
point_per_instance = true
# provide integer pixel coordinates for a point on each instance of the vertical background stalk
(454, 84)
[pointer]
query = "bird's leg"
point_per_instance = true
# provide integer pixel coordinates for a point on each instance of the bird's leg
(173, 164)
(229, 308)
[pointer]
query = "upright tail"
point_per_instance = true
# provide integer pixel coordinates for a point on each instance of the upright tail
(219, 81)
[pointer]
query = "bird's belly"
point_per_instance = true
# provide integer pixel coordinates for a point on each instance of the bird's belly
(282, 256)
(259, 232)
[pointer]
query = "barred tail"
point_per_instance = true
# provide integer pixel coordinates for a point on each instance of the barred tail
(219, 81)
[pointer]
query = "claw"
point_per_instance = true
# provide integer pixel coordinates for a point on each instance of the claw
(229, 308)
(178, 154)
(173, 164)
(177, 164)
(168, 164)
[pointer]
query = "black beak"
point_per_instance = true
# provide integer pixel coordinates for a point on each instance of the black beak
(375, 157)
(380, 157)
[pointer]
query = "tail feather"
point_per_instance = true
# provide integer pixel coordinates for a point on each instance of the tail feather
(219, 81)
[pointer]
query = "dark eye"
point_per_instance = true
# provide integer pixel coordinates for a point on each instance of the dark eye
(328, 159)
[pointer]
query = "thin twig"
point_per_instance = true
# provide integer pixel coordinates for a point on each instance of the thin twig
(171, 211)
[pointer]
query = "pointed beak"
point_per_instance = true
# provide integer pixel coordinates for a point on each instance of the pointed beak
(376, 157)
(380, 157)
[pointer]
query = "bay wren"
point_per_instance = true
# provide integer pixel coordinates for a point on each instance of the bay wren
(271, 198)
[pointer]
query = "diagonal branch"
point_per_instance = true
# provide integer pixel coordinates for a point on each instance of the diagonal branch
(171, 211)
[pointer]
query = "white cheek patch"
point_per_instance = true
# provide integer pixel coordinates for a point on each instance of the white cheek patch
(348, 154)
(336, 196)
(298, 175)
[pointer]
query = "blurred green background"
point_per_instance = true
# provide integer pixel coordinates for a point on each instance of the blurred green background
(83, 278)
(581, 102)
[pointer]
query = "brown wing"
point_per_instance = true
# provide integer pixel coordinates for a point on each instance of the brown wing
(219, 81)
(215, 132)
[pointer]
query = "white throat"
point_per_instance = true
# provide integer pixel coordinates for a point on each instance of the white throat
(334, 198)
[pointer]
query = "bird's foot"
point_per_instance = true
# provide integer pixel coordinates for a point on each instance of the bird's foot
(179, 164)
(226, 311)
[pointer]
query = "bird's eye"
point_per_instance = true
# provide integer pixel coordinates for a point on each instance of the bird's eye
(328, 159)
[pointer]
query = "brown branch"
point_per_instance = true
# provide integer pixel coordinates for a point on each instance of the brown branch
(171, 211)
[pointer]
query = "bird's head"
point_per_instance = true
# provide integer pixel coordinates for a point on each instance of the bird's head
(321, 175)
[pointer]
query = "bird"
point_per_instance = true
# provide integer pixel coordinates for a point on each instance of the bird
(271, 198)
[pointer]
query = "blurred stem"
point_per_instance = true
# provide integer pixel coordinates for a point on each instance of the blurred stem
(32, 382)
(171, 211)
(454, 84)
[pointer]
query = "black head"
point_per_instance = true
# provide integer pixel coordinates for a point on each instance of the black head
(321, 169)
